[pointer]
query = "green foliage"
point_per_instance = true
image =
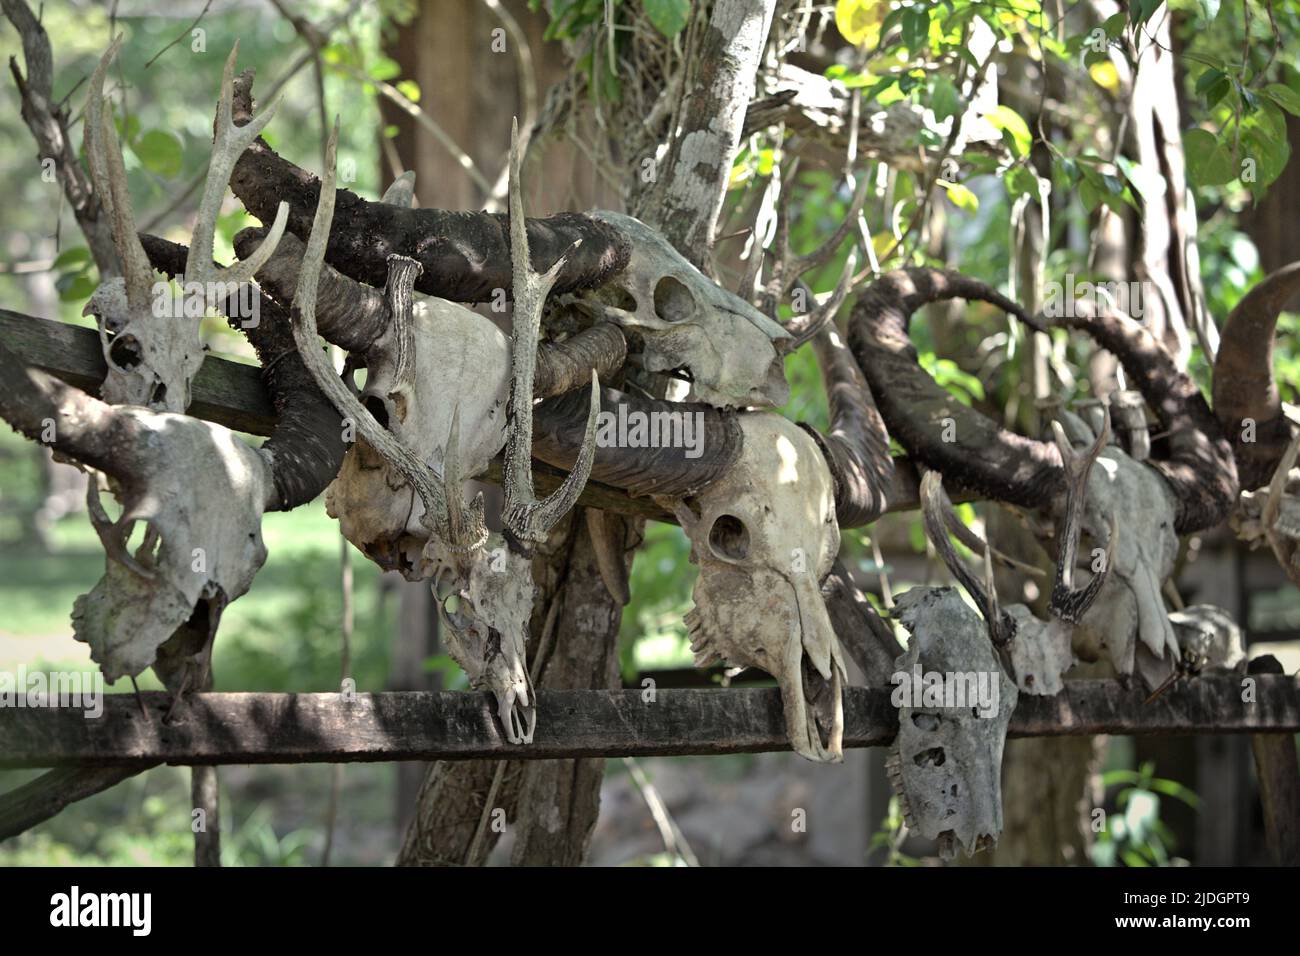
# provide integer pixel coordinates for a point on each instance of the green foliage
(1134, 834)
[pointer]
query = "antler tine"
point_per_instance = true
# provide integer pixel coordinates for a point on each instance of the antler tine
(104, 154)
(1067, 603)
(228, 144)
(525, 517)
(466, 526)
(805, 327)
(934, 505)
(421, 477)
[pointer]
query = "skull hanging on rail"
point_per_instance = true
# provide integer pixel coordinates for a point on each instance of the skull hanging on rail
(765, 538)
(730, 352)
(946, 762)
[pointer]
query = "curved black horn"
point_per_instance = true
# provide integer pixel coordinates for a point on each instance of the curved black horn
(857, 446)
(1243, 378)
(702, 445)
(307, 445)
(966, 447)
(465, 255)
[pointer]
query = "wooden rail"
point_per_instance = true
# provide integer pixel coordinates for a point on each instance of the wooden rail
(220, 728)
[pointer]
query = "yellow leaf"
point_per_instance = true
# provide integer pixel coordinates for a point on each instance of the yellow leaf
(1105, 75)
(960, 196)
(859, 20)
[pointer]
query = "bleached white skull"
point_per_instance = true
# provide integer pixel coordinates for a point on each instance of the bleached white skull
(201, 492)
(946, 762)
(458, 362)
(765, 538)
(729, 350)
(1271, 515)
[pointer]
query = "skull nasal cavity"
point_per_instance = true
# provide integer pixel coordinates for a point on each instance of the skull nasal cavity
(729, 538)
(673, 301)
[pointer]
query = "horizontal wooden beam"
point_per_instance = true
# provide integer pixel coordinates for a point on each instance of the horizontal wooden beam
(326, 728)
(231, 393)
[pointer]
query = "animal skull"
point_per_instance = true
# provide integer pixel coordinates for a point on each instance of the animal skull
(483, 582)
(195, 552)
(153, 354)
(1036, 652)
(728, 350)
(765, 538)
(454, 353)
(946, 762)
(1130, 610)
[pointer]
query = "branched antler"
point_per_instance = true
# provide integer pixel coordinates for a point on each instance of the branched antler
(527, 518)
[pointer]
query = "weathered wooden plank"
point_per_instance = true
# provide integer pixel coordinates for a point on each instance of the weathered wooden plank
(1278, 771)
(231, 394)
(315, 728)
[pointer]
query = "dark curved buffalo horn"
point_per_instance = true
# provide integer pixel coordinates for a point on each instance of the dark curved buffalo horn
(1243, 378)
(465, 255)
(307, 445)
(1197, 459)
(352, 315)
(971, 451)
(675, 468)
(857, 447)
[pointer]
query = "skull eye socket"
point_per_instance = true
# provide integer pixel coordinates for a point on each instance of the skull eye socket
(729, 538)
(673, 301)
(375, 405)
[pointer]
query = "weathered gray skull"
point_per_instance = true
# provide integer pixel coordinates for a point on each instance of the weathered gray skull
(459, 362)
(1130, 607)
(946, 763)
(765, 538)
(486, 605)
(729, 351)
(194, 550)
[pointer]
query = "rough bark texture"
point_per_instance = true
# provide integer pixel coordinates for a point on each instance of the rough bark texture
(720, 83)
(559, 800)
(48, 125)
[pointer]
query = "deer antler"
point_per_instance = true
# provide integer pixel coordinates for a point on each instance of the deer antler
(1067, 603)
(402, 275)
(229, 143)
(527, 518)
(104, 155)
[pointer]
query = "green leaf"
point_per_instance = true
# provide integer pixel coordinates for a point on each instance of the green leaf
(160, 152)
(945, 100)
(76, 256)
(74, 286)
(960, 196)
(1213, 85)
(410, 89)
(1209, 8)
(1208, 163)
(1284, 97)
(668, 16)
(1020, 181)
(1015, 131)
